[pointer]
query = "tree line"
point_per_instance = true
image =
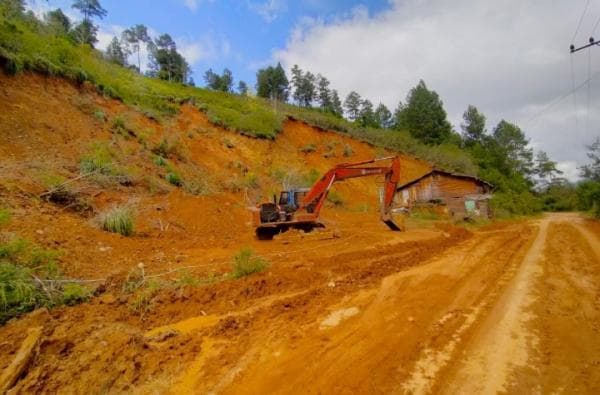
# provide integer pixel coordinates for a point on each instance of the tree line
(164, 60)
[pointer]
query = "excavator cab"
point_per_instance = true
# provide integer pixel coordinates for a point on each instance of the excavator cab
(289, 201)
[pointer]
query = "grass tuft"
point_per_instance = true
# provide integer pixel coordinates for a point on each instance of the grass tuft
(4, 216)
(246, 263)
(118, 220)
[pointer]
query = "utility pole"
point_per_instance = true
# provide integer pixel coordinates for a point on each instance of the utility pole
(592, 43)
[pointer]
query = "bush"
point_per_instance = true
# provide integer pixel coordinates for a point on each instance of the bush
(28, 280)
(99, 160)
(174, 179)
(348, 151)
(198, 186)
(246, 263)
(308, 148)
(4, 216)
(160, 161)
(118, 220)
(74, 294)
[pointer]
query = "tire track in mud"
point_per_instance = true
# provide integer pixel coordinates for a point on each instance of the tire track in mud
(370, 349)
(503, 341)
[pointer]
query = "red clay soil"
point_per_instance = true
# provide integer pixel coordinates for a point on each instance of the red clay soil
(366, 311)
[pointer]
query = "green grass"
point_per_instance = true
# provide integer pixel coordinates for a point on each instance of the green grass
(174, 178)
(100, 160)
(28, 280)
(118, 220)
(4, 216)
(25, 45)
(246, 263)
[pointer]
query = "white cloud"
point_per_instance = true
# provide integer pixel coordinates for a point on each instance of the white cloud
(508, 58)
(191, 4)
(269, 10)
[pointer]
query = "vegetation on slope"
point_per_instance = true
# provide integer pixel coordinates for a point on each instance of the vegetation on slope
(418, 127)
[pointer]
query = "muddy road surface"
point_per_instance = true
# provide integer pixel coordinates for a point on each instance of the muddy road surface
(511, 308)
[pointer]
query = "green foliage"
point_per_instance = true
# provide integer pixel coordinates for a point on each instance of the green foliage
(473, 126)
(197, 186)
(118, 220)
(160, 161)
(223, 83)
(588, 197)
(308, 148)
(99, 160)
(272, 83)
(246, 263)
(30, 278)
(4, 216)
(165, 62)
(559, 196)
(424, 116)
(74, 293)
(100, 115)
(143, 300)
(512, 203)
(174, 178)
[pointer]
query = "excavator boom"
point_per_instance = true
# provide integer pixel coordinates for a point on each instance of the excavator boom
(273, 218)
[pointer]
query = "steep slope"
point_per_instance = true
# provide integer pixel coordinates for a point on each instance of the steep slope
(51, 128)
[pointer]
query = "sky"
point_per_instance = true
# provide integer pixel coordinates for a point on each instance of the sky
(510, 58)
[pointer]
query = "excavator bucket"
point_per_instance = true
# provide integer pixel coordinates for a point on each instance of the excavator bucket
(392, 225)
(389, 221)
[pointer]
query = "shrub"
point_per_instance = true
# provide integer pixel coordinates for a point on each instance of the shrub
(197, 186)
(174, 179)
(4, 216)
(308, 148)
(75, 293)
(99, 160)
(348, 151)
(99, 115)
(168, 149)
(246, 263)
(118, 220)
(160, 161)
(28, 280)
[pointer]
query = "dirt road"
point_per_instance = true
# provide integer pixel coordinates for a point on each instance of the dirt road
(512, 308)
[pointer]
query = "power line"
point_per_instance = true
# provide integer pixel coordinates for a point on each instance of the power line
(574, 95)
(589, 91)
(581, 20)
(561, 98)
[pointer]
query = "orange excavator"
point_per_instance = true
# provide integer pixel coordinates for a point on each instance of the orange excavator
(300, 208)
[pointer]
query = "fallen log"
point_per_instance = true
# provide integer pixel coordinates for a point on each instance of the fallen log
(20, 364)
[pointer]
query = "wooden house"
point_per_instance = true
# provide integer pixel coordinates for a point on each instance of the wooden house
(462, 196)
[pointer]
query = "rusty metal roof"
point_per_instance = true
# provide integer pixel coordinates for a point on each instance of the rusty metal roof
(458, 175)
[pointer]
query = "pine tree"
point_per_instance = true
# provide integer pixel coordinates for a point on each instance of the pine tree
(383, 116)
(474, 126)
(367, 115)
(323, 93)
(115, 52)
(272, 83)
(134, 37)
(89, 9)
(336, 103)
(58, 21)
(242, 88)
(352, 105)
(85, 33)
(424, 116)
